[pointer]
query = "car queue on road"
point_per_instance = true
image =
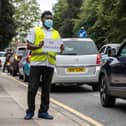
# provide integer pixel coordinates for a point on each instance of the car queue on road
(79, 64)
(82, 63)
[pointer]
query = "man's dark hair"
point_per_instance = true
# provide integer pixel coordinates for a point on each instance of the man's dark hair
(45, 13)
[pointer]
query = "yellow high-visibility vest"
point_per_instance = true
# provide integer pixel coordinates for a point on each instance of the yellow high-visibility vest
(38, 55)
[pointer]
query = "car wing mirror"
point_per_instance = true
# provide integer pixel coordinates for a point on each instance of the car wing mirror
(109, 60)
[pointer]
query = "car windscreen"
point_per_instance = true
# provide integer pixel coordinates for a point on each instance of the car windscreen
(20, 51)
(79, 48)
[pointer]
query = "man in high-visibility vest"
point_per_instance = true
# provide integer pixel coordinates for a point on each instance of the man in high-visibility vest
(42, 66)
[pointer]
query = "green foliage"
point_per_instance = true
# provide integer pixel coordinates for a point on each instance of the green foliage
(104, 20)
(87, 16)
(27, 12)
(59, 13)
(7, 23)
(65, 12)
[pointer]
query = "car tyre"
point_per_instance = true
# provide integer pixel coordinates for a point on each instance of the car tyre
(20, 77)
(106, 99)
(13, 73)
(25, 78)
(95, 87)
(53, 87)
(12, 70)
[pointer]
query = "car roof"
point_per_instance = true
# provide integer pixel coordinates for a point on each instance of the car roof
(113, 44)
(77, 39)
(21, 47)
(2, 52)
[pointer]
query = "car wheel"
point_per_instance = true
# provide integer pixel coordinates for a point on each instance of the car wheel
(8, 70)
(13, 73)
(106, 99)
(20, 77)
(95, 87)
(53, 87)
(25, 78)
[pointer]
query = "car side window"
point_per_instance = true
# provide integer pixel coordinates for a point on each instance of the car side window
(108, 50)
(123, 51)
(2, 54)
(114, 51)
(102, 50)
(25, 53)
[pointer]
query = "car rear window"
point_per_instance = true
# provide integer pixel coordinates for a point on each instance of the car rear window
(20, 51)
(21, 48)
(80, 47)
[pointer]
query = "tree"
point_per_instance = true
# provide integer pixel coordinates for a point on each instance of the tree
(7, 23)
(27, 12)
(104, 20)
(65, 11)
(59, 14)
(88, 18)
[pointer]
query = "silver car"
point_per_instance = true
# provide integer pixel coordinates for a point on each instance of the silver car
(79, 64)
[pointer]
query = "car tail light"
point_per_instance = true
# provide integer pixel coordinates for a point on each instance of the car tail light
(17, 58)
(28, 58)
(99, 59)
(8, 63)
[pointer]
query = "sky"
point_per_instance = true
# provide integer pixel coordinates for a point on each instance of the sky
(46, 4)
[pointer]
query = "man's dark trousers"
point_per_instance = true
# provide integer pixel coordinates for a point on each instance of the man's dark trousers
(34, 83)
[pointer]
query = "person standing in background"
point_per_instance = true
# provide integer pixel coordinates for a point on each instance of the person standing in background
(82, 33)
(8, 56)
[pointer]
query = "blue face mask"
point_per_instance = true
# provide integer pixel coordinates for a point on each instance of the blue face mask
(48, 23)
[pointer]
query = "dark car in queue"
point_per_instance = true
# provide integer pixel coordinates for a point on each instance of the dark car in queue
(24, 66)
(15, 58)
(112, 78)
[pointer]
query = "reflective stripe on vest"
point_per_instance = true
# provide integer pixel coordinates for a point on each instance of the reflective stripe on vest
(43, 53)
(38, 55)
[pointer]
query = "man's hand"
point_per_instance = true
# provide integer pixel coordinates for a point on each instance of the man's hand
(33, 47)
(41, 44)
